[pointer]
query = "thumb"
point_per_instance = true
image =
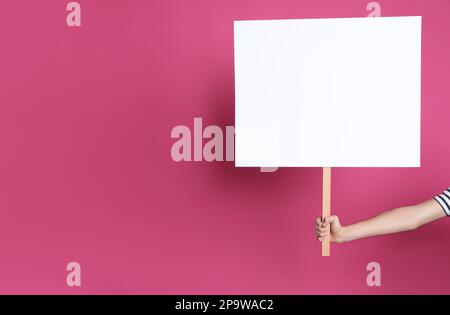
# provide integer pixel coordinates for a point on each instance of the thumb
(333, 220)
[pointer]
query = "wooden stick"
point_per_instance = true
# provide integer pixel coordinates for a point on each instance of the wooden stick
(326, 206)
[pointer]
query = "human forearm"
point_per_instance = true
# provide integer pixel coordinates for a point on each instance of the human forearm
(393, 221)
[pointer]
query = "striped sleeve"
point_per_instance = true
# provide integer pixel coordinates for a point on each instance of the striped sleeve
(444, 200)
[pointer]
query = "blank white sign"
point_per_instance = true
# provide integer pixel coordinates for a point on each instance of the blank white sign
(328, 92)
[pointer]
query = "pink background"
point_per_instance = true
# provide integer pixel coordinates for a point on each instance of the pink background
(86, 173)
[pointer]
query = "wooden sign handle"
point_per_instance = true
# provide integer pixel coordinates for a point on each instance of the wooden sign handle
(326, 207)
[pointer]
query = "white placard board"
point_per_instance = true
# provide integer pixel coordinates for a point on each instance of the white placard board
(328, 92)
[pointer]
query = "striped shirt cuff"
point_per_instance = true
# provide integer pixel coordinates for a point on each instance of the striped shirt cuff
(444, 200)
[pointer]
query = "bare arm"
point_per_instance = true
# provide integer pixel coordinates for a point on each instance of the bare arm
(392, 221)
